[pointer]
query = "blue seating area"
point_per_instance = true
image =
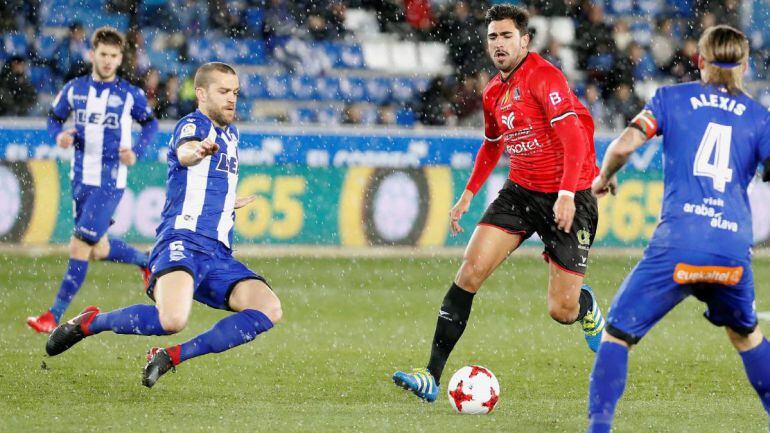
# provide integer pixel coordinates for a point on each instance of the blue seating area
(315, 80)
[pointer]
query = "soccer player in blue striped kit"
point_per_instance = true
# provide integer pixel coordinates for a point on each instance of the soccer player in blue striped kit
(192, 257)
(105, 107)
(714, 136)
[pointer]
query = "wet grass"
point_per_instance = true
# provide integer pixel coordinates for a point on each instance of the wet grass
(349, 323)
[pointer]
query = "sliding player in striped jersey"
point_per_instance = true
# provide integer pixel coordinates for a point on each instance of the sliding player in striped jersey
(105, 107)
(192, 257)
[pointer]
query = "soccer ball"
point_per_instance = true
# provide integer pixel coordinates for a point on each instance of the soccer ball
(473, 390)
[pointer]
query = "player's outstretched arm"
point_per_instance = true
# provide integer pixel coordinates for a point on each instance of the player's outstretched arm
(192, 152)
(616, 157)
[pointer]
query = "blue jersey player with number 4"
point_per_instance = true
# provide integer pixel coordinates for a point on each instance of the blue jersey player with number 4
(714, 137)
(192, 257)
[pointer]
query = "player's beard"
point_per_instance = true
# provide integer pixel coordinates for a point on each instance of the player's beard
(219, 117)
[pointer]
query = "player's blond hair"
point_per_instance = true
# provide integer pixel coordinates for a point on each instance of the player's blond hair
(725, 50)
(203, 74)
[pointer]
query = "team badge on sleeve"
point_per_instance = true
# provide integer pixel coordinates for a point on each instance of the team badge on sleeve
(187, 130)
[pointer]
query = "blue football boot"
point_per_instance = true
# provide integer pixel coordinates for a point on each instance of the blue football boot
(420, 382)
(593, 322)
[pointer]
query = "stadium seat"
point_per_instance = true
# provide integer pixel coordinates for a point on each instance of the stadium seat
(351, 56)
(277, 86)
(42, 78)
(620, 7)
(433, 57)
(301, 87)
(329, 115)
(352, 89)
(402, 89)
(225, 50)
(328, 88)
(541, 27)
(562, 30)
(405, 57)
(254, 19)
(648, 8)
(15, 44)
(251, 52)
(252, 86)
(302, 115)
(405, 117)
(361, 22)
(199, 50)
(377, 90)
(46, 46)
(377, 54)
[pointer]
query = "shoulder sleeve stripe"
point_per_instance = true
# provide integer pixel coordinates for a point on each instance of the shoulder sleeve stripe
(493, 139)
(563, 116)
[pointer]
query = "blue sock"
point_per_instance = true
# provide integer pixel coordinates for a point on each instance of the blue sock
(70, 284)
(137, 319)
(121, 252)
(608, 380)
(757, 364)
(229, 332)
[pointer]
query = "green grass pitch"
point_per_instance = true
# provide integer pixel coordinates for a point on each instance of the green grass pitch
(348, 324)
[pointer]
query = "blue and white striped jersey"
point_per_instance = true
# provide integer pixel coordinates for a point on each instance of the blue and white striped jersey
(200, 200)
(104, 114)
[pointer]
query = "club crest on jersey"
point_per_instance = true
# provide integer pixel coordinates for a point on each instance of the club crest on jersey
(508, 120)
(516, 94)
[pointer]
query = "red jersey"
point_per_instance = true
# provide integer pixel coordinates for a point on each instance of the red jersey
(519, 116)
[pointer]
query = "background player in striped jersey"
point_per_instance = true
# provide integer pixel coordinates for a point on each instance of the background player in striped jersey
(192, 257)
(104, 107)
(714, 136)
(530, 112)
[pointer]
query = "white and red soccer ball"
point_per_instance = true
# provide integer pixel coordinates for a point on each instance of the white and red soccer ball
(473, 390)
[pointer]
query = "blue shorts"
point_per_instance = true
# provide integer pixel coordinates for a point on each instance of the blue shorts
(215, 272)
(94, 208)
(666, 276)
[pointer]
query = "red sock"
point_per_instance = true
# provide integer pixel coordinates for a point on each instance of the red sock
(174, 352)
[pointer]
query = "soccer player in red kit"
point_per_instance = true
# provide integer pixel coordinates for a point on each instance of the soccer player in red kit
(530, 112)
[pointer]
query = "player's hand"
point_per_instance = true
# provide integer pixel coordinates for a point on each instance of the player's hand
(601, 186)
(65, 139)
(206, 148)
(564, 212)
(243, 201)
(457, 211)
(127, 156)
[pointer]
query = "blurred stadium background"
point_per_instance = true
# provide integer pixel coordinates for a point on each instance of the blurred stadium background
(360, 118)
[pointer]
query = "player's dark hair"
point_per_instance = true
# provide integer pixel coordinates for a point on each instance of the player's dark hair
(725, 50)
(203, 74)
(505, 11)
(108, 36)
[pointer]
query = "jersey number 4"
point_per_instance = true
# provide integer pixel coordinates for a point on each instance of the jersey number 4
(713, 156)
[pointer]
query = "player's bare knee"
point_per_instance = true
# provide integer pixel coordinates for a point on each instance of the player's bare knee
(273, 311)
(744, 341)
(79, 249)
(562, 312)
(471, 275)
(101, 250)
(173, 322)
